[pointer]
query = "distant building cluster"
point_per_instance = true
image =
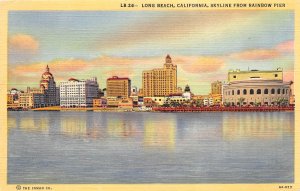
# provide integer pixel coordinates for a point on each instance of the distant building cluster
(159, 89)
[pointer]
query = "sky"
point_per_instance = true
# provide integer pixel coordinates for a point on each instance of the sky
(203, 44)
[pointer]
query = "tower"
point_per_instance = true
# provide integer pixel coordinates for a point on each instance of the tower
(160, 81)
(48, 85)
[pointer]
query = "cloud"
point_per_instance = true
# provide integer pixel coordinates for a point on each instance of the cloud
(162, 27)
(200, 64)
(260, 54)
(288, 75)
(23, 43)
(125, 72)
(265, 54)
(62, 69)
(285, 47)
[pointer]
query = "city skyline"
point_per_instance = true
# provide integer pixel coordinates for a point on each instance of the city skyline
(85, 44)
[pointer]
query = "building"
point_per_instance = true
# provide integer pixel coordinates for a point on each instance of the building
(160, 81)
(78, 93)
(30, 100)
(100, 102)
(134, 91)
(48, 86)
(216, 87)
(118, 87)
(10, 98)
(187, 92)
(256, 87)
(125, 104)
(112, 101)
(177, 99)
(57, 96)
(208, 100)
(156, 100)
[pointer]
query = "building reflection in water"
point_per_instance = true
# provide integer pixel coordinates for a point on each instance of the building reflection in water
(11, 122)
(74, 125)
(120, 127)
(266, 125)
(160, 133)
(30, 123)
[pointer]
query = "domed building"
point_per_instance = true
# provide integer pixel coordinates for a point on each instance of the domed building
(256, 87)
(48, 86)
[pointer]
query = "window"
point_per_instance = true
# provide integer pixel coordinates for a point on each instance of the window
(276, 75)
(278, 91)
(232, 92)
(258, 91)
(266, 91)
(238, 92)
(282, 91)
(244, 91)
(272, 91)
(234, 76)
(251, 91)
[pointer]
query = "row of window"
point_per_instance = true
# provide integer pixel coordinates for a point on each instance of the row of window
(258, 91)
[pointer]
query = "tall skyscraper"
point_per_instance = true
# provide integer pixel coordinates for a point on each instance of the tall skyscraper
(118, 87)
(160, 81)
(48, 86)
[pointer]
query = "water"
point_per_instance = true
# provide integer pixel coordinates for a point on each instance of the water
(94, 147)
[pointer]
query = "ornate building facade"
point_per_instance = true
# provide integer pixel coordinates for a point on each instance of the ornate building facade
(160, 81)
(256, 88)
(48, 86)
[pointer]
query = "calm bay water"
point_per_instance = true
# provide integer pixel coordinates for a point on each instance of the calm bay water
(94, 147)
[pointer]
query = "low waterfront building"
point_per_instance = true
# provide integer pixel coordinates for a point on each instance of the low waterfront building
(31, 100)
(125, 104)
(208, 100)
(176, 99)
(156, 100)
(100, 102)
(112, 101)
(256, 87)
(149, 102)
(78, 93)
(135, 100)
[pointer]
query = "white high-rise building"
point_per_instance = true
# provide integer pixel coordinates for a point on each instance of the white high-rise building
(78, 93)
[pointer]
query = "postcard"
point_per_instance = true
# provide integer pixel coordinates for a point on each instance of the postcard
(149, 95)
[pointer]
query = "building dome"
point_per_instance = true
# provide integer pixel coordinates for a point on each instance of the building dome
(187, 88)
(47, 74)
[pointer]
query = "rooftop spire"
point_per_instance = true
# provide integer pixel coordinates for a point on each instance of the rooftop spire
(168, 59)
(47, 68)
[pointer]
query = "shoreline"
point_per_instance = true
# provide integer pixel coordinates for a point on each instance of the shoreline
(168, 109)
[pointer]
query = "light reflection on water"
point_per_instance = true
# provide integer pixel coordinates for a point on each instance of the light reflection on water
(92, 147)
(258, 125)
